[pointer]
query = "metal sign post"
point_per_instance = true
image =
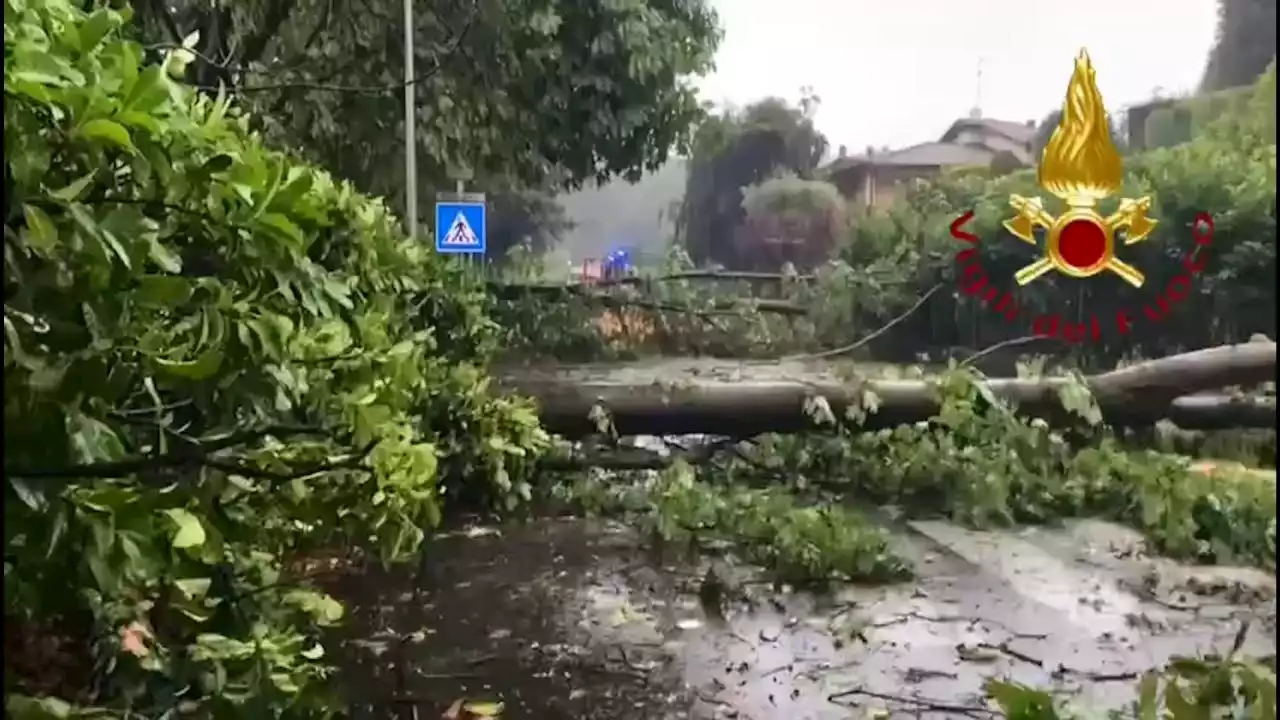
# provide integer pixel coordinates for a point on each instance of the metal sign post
(410, 129)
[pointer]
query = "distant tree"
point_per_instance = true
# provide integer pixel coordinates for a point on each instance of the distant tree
(789, 220)
(1045, 129)
(1004, 163)
(732, 151)
(1246, 44)
(525, 216)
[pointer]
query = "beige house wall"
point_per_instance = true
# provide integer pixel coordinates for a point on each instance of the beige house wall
(878, 186)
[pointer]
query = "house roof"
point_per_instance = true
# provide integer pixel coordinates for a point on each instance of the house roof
(1016, 131)
(929, 154)
(946, 152)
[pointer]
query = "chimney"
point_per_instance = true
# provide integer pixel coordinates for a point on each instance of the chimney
(844, 151)
(1031, 124)
(870, 151)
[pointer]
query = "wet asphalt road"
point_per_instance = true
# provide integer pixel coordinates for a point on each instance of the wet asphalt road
(569, 619)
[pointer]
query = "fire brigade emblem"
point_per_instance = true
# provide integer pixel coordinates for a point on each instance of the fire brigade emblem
(1081, 166)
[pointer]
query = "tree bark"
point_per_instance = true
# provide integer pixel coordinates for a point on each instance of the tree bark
(1173, 388)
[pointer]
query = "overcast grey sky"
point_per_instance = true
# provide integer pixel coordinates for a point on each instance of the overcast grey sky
(898, 72)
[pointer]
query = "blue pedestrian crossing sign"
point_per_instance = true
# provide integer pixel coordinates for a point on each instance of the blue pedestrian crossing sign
(460, 227)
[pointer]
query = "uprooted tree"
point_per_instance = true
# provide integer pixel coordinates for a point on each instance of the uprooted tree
(728, 401)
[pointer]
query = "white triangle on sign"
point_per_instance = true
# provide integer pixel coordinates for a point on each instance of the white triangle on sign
(460, 234)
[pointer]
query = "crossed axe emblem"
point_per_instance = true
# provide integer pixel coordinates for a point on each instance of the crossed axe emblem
(1080, 242)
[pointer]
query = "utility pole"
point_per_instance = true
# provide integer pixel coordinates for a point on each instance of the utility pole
(410, 134)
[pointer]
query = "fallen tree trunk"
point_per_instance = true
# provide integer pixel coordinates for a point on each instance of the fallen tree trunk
(508, 289)
(1171, 388)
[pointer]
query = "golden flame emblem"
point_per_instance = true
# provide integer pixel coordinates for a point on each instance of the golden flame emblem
(1081, 166)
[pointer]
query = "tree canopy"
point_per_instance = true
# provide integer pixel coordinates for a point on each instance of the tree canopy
(542, 93)
(734, 150)
(1245, 45)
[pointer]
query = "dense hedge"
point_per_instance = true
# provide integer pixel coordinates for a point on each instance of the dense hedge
(216, 359)
(1228, 170)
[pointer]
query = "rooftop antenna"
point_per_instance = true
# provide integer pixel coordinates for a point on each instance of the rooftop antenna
(976, 112)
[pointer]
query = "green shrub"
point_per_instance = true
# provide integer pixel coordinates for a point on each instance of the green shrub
(216, 360)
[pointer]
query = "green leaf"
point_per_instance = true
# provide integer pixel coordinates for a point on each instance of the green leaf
(56, 533)
(167, 291)
(323, 609)
(338, 292)
(41, 68)
(92, 440)
(1020, 702)
(30, 494)
(299, 184)
(1148, 700)
(129, 223)
(140, 120)
(41, 233)
(315, 652)
(151, 89)
(73, 191)
(163, 257)
(107, 131)
(1179, 706)
(211, 646)
(95, 28)
(194, 588)
(284, 683)
(483, 709)
(205, 365)
(189, 532)
(283, 225)
(23, 707)
(92, 228)
(176, 61)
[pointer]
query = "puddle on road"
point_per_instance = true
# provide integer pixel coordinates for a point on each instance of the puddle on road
(568, 619)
